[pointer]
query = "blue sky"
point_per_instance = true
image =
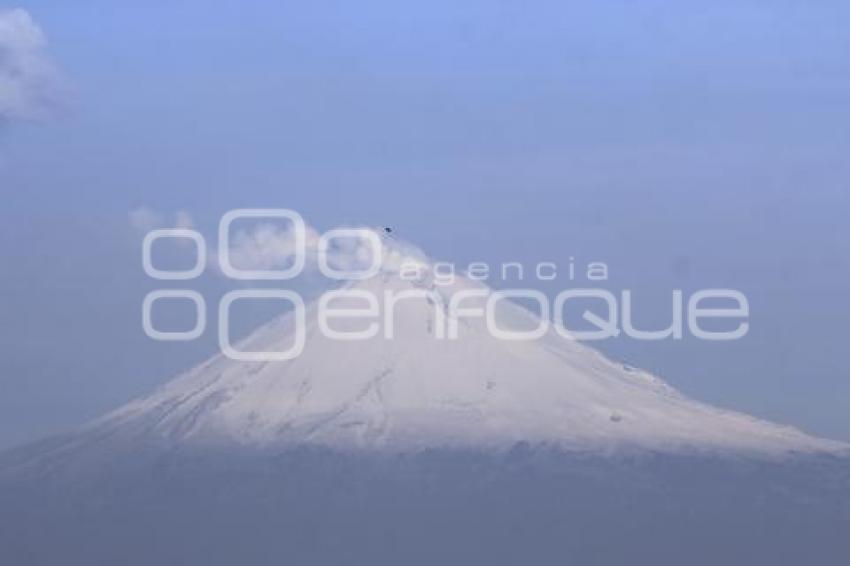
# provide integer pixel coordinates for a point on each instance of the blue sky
(687, 145)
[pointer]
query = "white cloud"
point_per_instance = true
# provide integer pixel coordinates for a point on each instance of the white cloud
(144, 219)
(29, 83)
(183, 220)
(267, 246)
(271, 245)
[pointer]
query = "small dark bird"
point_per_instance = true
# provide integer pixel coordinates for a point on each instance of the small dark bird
(388, 230)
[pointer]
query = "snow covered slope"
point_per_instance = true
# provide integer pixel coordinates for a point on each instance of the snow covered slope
(417, 391)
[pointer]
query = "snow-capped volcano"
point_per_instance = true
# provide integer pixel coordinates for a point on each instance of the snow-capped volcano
(417, 391)
(423, 450)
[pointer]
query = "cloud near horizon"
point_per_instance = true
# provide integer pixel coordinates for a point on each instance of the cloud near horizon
(29, 83)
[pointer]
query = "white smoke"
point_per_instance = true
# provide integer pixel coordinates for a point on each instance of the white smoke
(144, 219)
(268, 246)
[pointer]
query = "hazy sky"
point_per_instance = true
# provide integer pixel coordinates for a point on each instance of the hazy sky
(686, 144)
